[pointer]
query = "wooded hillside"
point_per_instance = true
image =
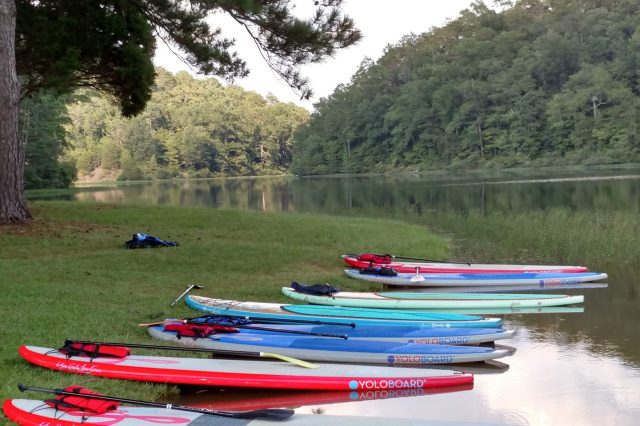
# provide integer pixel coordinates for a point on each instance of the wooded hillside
(190, 128)
(526, 83)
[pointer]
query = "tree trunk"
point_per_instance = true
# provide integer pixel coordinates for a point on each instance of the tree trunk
(480, 139)
(13, 207)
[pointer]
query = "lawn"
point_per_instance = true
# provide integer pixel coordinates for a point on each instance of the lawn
(67, 274)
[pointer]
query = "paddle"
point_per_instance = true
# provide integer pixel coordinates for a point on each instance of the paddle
(291, 360)
(417, 277)
(422, 259)
(189, 288)
(248, 327)
(268, 413)
(259, 320)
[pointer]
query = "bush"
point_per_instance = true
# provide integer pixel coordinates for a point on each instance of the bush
(163, 173)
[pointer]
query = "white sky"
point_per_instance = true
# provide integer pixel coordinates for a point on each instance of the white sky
(382, 22)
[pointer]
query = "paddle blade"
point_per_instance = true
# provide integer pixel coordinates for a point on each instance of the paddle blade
(295, 361)
(267, 414)
(417, 278)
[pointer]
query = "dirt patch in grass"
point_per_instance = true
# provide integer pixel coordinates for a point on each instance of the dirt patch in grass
(53, 228)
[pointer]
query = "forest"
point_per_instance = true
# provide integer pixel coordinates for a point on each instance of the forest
(518, 84)
(511, 84)
(190, 128)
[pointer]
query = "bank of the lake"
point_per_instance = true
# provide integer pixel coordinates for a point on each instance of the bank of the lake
(558, 236)
(67, 275)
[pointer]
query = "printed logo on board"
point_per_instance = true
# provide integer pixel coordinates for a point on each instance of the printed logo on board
(375, 384)
(419, 359)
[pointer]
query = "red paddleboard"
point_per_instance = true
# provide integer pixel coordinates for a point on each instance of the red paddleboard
(364, 261)
(246, 373)
(28, 412)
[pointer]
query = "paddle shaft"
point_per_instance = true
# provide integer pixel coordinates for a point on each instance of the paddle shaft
(424, 260)
(305, 333)
(276, 330)
(170, 348)
(271, 413)
(191, 287)
(258, 320)
(292, 360)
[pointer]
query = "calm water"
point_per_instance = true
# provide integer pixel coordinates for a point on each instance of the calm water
(569, 368)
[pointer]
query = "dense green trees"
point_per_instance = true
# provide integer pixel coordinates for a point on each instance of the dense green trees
(190, 128)
(533, 82)
(108, 44)
(42, 125)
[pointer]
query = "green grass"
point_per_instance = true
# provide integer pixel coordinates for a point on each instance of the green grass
(592, 238)
(67, 275)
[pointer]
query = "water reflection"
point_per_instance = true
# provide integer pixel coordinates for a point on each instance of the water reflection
(553, 381)
(390, 196)
(254, 399)
(609, 325)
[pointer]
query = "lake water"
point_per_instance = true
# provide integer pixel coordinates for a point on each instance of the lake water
(569, 368)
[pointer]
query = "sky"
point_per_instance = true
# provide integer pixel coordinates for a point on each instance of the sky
(382, 22)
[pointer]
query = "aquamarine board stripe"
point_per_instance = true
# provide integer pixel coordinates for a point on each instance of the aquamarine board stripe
(467, 296)
(376, 313)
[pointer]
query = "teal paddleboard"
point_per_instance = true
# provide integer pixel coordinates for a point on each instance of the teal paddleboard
(401, 301)
(379, 314)
(276, 312)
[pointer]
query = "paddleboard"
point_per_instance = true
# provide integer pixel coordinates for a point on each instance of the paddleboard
(360, 261)
(508, 288)
(526, 278)
(29, 412)
(245, 372)
(402, 300)
(515, 311)
(359, 317)
(388, 315)
(336, 350)
(433, 336)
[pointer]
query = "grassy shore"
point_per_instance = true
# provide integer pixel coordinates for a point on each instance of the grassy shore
(557, 236)
(67, 275)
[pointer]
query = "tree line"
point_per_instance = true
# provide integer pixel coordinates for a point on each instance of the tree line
(524, 83)
(189, 128)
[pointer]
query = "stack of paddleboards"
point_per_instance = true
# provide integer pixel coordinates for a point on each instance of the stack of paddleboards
(342, 349)
(239, 338)
(335, 341)
(346, 335)
(385, 269)
(298, 351)
(455, 286)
